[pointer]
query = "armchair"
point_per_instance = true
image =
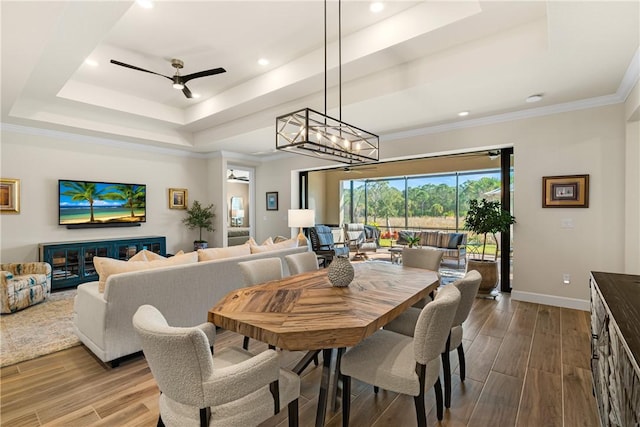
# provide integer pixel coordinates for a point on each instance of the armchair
(23, 285)
(322, 243)
(362, 239)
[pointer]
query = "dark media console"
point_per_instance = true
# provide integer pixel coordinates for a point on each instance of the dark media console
(72, 262)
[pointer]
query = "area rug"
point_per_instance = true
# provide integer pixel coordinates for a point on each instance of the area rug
(38, 330)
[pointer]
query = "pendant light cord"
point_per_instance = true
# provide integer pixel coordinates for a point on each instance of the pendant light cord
(340, 59)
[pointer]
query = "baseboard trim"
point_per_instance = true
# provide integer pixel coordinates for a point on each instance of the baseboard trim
(577, 304)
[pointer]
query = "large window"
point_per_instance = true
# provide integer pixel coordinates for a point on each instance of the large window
(434, 202)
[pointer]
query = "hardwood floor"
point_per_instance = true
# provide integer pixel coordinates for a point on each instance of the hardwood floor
(527, 365)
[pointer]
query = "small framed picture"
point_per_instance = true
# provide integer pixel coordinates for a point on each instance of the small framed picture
(9, 195)
(568, 191)
(178, 198)
(272, 201)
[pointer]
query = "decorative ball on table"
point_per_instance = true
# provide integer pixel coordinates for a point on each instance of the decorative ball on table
(340, 272)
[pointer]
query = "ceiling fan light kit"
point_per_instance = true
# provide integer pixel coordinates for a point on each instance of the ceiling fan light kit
(311, 133)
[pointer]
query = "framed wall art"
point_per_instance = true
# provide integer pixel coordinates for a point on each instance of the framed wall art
(9, 195)
(272, 201)
(568, 191)
(178, 198)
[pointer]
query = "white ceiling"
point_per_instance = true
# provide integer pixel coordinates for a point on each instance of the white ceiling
(405, 70)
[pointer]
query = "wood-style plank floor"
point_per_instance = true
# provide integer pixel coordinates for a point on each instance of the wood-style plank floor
(527, 365)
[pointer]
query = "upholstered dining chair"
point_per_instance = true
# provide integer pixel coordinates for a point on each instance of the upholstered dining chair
(301, 263)
(426, 258)
(403, 364)
(232, 388)
(259, 271)
(405, 324)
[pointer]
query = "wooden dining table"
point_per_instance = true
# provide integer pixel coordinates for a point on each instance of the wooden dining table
(305, 312)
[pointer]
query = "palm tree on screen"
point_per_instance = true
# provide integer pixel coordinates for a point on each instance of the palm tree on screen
(133, 195)
(83, 191)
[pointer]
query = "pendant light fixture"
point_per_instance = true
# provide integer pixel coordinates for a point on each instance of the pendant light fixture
(311, 133)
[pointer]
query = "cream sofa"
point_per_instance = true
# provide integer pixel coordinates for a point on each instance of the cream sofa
(183, 293)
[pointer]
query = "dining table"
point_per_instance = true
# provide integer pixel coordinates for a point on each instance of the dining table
(305, 312)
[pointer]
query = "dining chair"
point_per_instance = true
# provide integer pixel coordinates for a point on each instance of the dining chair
(405, 324)
(301, 263)
(232, 387)
(259, 271)
(404, 364)
(426, 258)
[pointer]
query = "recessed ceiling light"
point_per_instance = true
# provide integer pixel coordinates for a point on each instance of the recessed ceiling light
(376, 6)
(91, 62)
(263, 61)
(146, 4)
(463, 113)
(534, 98)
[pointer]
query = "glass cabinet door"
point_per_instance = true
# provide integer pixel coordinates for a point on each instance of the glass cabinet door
(65, 264)
(89, 253)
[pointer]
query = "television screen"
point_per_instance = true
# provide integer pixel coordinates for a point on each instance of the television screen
(92, 203)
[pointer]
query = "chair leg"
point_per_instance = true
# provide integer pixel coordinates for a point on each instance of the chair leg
(346, 400)
(160, 423)
(446, 368)
(438, 389)
(293, 413)
(376, 389)
(204, 417)
(421, 414)
(245, 343)
(462, 362)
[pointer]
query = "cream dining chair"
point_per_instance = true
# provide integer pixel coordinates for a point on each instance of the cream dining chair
(259, 271)
(301, 263)
(405, 324)
(426, 258)
(232, 388)
(404, 364)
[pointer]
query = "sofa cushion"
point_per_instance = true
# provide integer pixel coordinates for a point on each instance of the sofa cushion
(430, 238)
(450, 240)
(403, 237)
(290, 243)
(108, 266)
(220, 253)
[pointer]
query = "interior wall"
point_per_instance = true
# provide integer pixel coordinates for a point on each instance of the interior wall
(39, 161)
(590, 141)
(632, 180)
(318, 198)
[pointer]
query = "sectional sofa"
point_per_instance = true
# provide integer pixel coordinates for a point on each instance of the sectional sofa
(183, 293)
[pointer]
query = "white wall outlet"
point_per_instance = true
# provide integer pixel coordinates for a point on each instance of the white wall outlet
(566, 223)
(566, 279)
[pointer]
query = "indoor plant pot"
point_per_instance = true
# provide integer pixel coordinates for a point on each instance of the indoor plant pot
(200, 217)
(482, 218)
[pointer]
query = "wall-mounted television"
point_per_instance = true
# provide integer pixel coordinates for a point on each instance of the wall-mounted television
(84, 204)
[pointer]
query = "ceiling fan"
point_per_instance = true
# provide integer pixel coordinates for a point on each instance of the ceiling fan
(179, 82)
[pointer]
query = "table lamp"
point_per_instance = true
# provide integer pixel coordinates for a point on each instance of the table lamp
(301, 218)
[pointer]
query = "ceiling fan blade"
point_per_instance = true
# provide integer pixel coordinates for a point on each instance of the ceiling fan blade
(133, 67)
(203, 74)
(187, 92)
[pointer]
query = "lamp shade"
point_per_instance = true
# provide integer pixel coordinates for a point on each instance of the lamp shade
(302, 217)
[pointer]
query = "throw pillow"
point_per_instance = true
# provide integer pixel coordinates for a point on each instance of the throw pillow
(220, 253)
(146, 255)
(290, 243)
(430, 238)
(108, 266)
(279, 239)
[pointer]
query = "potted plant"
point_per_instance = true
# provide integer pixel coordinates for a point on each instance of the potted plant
(413, 241)
(486, 217)
(200, 217)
